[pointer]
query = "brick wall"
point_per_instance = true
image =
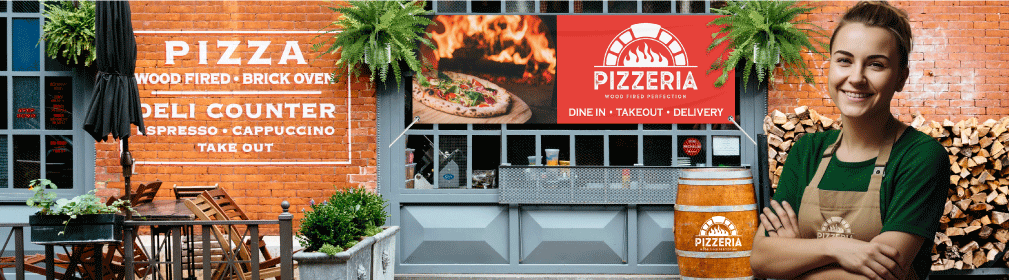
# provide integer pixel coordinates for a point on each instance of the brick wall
(958, 61)
(346, 138)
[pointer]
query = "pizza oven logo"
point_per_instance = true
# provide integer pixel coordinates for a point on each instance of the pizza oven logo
(834, 227)
(718, 234)
(645, 57)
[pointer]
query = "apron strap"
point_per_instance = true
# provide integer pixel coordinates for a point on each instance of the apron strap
(879, 170)
(827, 154)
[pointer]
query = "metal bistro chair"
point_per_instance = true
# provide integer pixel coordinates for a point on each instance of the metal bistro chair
(235, 251)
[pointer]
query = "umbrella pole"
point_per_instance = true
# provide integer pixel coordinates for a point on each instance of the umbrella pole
(127, 161)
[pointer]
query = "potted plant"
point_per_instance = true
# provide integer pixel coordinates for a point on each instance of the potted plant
(83, 218)
(381, 34)
(764, 33)
(69, 32)
(343, 236)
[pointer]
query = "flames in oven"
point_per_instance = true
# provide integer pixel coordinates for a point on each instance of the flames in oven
(646, 58)
(511, 39)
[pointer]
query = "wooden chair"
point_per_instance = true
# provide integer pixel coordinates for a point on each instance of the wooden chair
(30, 260)
(145, 193)
(234, 249)
(230, 208)
(190, 191)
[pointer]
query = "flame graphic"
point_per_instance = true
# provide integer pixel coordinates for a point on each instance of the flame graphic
(516, 39)
(717, 231)
(646, 58)
(835, 228)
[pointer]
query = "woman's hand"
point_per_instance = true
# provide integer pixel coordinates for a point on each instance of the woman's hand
(873, 260)
(782, 222)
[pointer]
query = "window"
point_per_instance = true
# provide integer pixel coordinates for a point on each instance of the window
(463, 156)
(38, 138)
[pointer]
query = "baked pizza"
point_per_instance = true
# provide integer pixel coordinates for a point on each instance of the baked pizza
(462, 95)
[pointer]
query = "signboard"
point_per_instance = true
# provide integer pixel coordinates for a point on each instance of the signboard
(573, 69)
(242, 98)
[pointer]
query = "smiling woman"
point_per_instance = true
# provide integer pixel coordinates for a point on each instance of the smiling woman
(862, 205)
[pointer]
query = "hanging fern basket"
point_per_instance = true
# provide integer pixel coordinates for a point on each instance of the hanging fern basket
(69, 32)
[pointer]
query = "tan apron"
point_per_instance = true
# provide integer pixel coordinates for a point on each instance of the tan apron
(828, 213)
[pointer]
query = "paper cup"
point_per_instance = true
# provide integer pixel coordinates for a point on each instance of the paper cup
(534, 160)
(552, 156)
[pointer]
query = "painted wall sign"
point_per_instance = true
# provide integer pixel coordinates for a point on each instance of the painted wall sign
(574, 69)
(243, 98)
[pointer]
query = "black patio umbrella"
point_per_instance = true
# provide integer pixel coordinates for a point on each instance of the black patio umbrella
(115, 103)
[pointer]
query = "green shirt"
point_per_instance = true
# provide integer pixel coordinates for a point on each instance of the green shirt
(912, 193)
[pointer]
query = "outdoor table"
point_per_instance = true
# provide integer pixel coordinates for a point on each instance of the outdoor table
(168, 210)
(74, 256)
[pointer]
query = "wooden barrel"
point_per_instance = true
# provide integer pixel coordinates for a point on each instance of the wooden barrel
(715, 217)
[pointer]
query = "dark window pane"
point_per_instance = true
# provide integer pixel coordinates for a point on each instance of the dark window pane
(3, 106)
(26, 103)
(588, 150)
(456, 7)
(623, 150)
(658, 150)
(25, 46)
(554, 6)
(26, 6)
(423, 157)
(623, 6)
(486, 6)
(656, 7)
(486, 151)
(486, 127)
(725, 150)
(54, 65)
(520, 6)
(520, 147)
(60, 160)
(4, 155)
(588, 6)
(719, 4)
(486, 158)
(452, 126)
(686, 126)
(453, 172)
(658, 126)
(26, 160)
(3, 6)
(3, 44)
(423, 126)
(690, 150)
(59, 103)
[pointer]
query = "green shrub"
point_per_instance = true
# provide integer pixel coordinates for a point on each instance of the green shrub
(336, 224)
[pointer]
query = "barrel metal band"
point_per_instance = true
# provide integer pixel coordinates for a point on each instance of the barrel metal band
(700, 278)
(686, 174)
(716, 208)
(714, 182)
(713, 255)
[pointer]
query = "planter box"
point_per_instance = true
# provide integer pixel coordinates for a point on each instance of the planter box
(92, 228)
(352, 264)
(383, 262)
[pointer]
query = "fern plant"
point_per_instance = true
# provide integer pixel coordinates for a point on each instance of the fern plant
(765, 33)
(69, 32)
(379, 34)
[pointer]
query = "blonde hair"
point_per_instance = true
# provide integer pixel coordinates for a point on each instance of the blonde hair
(881, 14)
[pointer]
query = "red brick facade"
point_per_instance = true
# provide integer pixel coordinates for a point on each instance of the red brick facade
(162, 28)
(958, 62)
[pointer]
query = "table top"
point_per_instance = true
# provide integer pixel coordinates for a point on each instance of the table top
(163, 210)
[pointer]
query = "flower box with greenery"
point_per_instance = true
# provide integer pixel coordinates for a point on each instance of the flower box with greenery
(81, 219)
(381, 34)
(338, 236)
(69, 32)
(764, 33)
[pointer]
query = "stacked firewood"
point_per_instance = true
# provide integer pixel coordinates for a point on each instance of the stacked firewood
(784, 129)
(974, 228)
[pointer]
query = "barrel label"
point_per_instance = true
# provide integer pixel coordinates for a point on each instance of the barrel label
(718, 234)
(834, 227)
